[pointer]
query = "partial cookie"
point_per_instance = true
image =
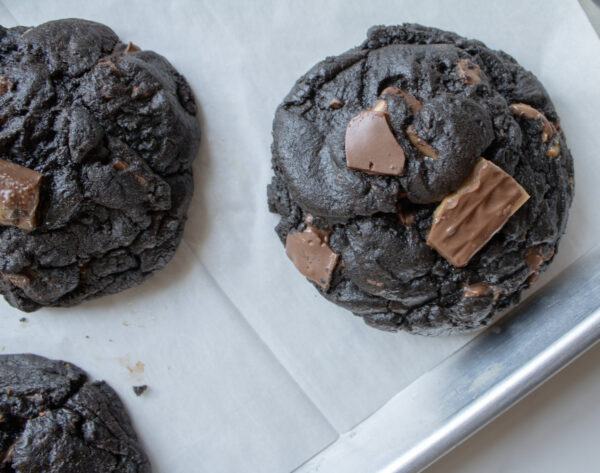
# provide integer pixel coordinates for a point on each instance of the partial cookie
(54, 420)
(97, 139)
(422, 179)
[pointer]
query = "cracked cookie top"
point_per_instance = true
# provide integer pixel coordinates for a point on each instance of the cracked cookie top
(96, 143)
(435, 165)
(54, 420)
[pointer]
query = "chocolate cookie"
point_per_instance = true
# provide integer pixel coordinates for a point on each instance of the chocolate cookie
(54, 420)
(97, 138)
(422, 179)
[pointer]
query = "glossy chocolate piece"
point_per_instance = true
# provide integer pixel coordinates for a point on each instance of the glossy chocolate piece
(19, 195)
(467, 219)
(371, 146)
(310, 252)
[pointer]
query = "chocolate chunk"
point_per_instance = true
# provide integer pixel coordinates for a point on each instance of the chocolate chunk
(425, 148)
(468, 71)
(336, 103)
(310, 252)
(527, 111)
(406, 216)
(554, 149)
(19, 280)
(476, 290)
(466, 219)
(414, 104)
(131, 48)
(534, 258)
(371, 146)
(120, 165)
(112, 65)
(19, 195)
(5, 85)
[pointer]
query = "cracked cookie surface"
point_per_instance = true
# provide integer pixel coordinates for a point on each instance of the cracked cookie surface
(54, 420)
(449, 102)
(113, 130)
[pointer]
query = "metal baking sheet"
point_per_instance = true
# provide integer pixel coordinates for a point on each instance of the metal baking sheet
(249, 369)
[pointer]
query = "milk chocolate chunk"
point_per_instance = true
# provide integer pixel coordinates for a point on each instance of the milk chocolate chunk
(336, 103)
(19, 280)
(371, 146)
(425, 148)
(19, 195)
(527, 111)
(310, 252)
(469, 217)
(476, 290)
(131, 48)
(468, 71)
(414, 103)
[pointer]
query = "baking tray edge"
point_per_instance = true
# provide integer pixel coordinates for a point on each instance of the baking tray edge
(469, 389)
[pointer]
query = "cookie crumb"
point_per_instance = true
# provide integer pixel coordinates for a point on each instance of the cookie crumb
(139, 390)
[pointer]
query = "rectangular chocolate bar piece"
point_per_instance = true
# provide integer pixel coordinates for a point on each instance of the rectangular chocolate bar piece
(19, 195)
(469, 217)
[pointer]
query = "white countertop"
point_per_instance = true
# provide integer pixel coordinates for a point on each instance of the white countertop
(556, 429)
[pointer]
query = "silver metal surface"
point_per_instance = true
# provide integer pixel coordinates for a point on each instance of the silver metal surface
(477, 383)
(592, 9)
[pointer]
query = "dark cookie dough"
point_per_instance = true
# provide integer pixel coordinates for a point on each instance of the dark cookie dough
(113, 130)
(386, 271)
(54, 420)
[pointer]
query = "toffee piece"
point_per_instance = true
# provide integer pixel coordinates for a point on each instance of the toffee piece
(432, 247)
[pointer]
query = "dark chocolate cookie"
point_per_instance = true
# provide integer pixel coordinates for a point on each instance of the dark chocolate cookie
(97, 138)
(54, 420)
(422, 179)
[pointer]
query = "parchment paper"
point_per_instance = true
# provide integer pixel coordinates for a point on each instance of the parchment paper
(248, 368)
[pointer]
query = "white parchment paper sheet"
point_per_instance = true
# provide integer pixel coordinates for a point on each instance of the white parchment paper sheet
(249, 368)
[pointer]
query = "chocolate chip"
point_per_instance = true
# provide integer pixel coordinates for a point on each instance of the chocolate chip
(336, 103)
(425, 148)
(19, 195)
(466, 219)
(468, 71)
(527, 111)
(371, 146)
(310, 252)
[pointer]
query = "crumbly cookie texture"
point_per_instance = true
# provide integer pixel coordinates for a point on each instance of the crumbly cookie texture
(54, 420)
(442, 235)
(97, 138)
